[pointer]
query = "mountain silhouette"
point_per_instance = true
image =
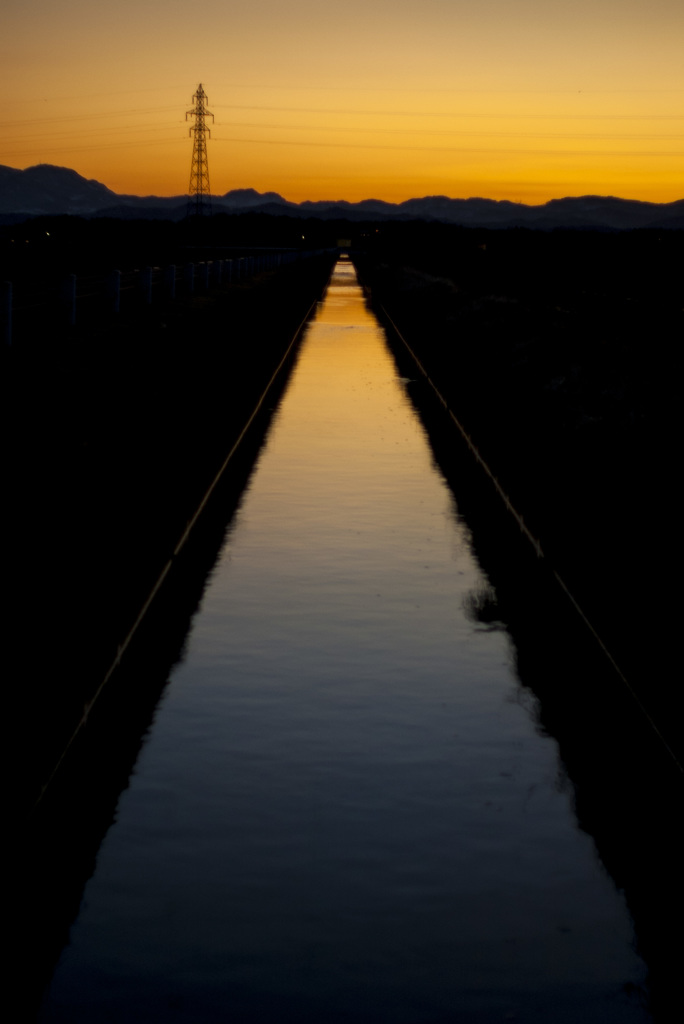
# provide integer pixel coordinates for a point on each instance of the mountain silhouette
(49, 190)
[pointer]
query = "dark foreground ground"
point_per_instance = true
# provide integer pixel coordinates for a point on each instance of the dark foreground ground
(112, 433)
(557, 354)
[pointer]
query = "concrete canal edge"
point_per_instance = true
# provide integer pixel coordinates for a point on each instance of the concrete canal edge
(114, 442)
(574, 500)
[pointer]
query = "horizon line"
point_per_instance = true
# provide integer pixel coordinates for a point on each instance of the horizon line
(350, 202)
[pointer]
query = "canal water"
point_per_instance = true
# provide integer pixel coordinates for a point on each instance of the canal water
(345, 809)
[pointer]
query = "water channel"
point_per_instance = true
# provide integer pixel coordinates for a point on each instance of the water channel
(345, 809)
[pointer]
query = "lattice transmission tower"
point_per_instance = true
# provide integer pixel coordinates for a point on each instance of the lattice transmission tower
(199, 199)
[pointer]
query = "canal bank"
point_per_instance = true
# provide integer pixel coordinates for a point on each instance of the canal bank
(111, 437)
(551, 352)
(627, 789)
(346, 807)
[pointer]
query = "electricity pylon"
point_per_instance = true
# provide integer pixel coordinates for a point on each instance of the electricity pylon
(199, 200)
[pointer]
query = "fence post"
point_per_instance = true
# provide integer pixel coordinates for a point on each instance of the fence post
(6, 306)
(189, 277)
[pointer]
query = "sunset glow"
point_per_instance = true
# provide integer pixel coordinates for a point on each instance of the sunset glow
(510, 100)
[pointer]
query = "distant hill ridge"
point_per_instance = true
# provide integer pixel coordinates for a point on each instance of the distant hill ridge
(49, 190)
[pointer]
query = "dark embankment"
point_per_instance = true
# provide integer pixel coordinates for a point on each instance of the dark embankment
(555, 352)
(112, 433)
(626, 790)
(58, 846)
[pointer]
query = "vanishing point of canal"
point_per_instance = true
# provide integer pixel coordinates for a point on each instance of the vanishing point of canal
(345, 809)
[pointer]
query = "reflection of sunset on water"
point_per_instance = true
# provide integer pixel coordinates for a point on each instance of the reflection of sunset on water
(346, 808)
(349, 389)
(521, 101)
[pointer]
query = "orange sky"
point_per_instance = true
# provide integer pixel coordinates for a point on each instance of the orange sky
(511, 99)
